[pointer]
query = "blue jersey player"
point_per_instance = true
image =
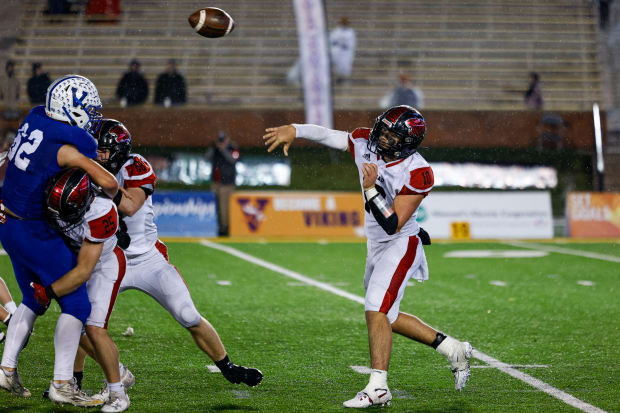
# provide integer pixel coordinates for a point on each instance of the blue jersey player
(51, 137)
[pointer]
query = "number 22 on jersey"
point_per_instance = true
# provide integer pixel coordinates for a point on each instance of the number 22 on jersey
(20, 150)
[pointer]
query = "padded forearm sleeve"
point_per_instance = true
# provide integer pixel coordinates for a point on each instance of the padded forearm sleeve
(383, 213)
(329, 137)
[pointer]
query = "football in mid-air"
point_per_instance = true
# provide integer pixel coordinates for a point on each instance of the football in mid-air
(211, 22)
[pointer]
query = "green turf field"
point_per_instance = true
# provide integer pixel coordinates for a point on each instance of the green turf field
(557, 314)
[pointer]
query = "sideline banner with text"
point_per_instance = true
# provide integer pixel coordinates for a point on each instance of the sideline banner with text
(593, 214)
(513, 214)
(492, 214)
(297, 214)
(185, 214)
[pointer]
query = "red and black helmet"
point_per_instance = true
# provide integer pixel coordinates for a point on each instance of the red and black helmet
(115, 137)
(403, 121)
(68, 196)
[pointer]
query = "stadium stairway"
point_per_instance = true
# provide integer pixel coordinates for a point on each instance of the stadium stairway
(464, 55)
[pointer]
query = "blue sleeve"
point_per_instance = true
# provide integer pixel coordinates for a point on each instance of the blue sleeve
(83, 141)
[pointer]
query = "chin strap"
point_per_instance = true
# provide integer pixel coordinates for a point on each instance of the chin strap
(383, 213)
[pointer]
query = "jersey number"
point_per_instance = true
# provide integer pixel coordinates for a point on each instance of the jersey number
(109, 225)
(426, 176)
(20, 150)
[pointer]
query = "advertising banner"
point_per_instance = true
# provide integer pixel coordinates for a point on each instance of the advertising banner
(297, 214)
(498, 215)
(593, 214)
(314, 50)
(185, 214)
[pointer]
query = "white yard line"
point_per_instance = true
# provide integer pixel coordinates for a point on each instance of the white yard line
(506, 368)
(562, 250)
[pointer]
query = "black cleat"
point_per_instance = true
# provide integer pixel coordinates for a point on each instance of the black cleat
(239, 374)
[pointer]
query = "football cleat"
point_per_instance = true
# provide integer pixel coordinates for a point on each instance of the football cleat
(117, 402)
(239, 374)
(13, 383)
(128, 379)
(68, 393)
(103, 395)
(459, 364)
(370, 398)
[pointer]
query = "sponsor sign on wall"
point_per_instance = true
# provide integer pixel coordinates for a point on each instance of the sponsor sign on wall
(494, 214)
(593, 214)
(297, 213)
(185, 214)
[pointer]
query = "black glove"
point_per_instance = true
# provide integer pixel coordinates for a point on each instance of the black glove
(424, 237)
(123, 238)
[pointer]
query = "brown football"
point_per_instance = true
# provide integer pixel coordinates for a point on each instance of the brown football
(211, 22)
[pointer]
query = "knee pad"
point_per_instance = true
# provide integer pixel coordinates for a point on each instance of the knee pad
(187, 316)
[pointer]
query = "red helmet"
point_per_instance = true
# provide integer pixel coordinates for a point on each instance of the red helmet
(403, 121)
(68, 197)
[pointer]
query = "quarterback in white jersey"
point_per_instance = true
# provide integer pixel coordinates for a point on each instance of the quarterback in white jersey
(88, 224)
(394, 178)
(148, 268)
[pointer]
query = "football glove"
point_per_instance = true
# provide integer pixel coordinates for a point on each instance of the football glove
(43, 295)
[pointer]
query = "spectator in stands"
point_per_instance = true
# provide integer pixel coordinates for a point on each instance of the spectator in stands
(38, 84)
(552, 131)
(603, 10)
(133, 88)
(223, 155)
(170, 88)
(342, 44)
(533, 95)
(9, 93)
(403, 94)
(58, 6)
(110, 8)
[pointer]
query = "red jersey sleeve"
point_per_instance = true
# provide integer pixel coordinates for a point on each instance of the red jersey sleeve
(421, 181)
(359, 133)
(139, 173)
(103, 227)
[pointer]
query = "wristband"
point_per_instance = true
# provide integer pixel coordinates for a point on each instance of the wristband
(117, 198)
(370, 193)
(49, 291)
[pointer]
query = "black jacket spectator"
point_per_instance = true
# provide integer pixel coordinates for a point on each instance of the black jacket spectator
(171, 85)
(38, 84)
(133, 87)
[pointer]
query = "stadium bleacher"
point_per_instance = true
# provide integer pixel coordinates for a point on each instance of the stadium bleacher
(464, 55)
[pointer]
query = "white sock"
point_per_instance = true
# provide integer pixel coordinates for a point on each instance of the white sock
(66, 342)
(447, 346)
(18, 332)
(116, 387)
(10, 307)
(378, 379)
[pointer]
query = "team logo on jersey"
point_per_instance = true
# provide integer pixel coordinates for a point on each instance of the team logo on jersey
(253, 211)
(367, 156)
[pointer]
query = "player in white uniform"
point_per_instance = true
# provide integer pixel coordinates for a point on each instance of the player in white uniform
(387, 154)
(88, 225)
(148, 268)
